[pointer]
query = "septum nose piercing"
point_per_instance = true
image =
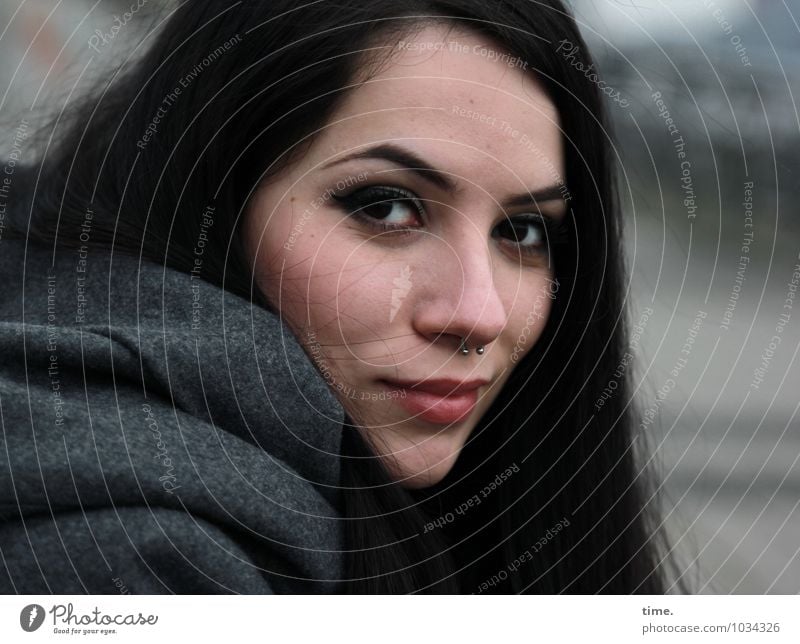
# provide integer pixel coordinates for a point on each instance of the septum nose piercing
(465, 350)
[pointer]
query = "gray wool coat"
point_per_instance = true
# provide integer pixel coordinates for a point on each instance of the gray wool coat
(158, 435)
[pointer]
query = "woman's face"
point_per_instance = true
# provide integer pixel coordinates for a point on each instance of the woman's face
(415, 220)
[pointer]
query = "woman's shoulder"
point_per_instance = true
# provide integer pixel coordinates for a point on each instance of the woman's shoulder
(114, 396)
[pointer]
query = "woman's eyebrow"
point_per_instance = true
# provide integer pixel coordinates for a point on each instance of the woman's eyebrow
(407, 159)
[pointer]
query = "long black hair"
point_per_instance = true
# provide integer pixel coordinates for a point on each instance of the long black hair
(548, 495)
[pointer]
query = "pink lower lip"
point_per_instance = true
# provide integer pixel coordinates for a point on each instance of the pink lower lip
(435, 408)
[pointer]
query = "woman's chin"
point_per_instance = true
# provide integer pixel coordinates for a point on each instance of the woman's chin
(419, 468)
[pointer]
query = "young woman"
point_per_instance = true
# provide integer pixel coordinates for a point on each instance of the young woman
(331, 290)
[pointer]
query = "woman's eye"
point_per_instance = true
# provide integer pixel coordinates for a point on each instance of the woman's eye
(533, 234)
(526, 232)
(522, 232)
(383, 208)
(396, 210)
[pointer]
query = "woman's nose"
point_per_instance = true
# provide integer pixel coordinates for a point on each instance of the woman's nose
(460, 297)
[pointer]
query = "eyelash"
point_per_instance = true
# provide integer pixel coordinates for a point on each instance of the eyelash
(551, 230)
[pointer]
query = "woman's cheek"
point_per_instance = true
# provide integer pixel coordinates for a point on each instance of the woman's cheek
(356, 283)
(528, 323)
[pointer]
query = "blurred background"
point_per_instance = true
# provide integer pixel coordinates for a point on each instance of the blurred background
(727, 439)
(707, 130)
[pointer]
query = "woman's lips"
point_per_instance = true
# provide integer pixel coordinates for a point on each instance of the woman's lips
(435, 408)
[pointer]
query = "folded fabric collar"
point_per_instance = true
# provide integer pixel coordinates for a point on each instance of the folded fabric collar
(123, 382)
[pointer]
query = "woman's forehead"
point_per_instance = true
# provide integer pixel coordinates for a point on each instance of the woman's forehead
(452, 71)
(452, 102)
